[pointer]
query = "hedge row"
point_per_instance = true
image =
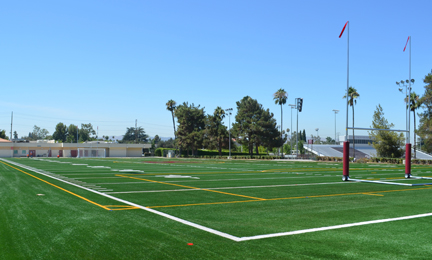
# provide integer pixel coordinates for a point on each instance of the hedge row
(262, 157)
(201, 153)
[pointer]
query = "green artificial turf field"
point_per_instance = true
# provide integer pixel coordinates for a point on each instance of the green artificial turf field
(156, 208)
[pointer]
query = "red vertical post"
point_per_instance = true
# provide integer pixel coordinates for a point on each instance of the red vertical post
(408, 160)
(345, 160)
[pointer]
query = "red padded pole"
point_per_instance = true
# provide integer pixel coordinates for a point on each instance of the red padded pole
(407, 160)
(345, 160)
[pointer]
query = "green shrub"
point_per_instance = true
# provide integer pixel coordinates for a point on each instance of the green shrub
(158, 152)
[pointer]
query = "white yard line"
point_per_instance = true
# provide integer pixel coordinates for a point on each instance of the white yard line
(297, 232)
(210, 230)
(219, 233)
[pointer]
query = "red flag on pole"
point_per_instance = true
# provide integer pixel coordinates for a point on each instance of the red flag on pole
(406, 43)
(340, 35)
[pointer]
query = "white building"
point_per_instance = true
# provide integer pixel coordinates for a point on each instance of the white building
(48, 148)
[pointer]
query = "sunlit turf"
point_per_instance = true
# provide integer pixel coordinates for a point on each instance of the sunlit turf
(238, 197)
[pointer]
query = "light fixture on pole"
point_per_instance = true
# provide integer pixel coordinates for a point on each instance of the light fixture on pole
(228, 110)
(335, 111)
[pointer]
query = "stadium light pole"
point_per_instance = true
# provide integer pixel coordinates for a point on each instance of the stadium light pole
(299, 104)
(292, 107)
(229, 129)
(335, 111)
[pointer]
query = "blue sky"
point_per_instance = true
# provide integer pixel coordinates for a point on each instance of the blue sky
(111, 62)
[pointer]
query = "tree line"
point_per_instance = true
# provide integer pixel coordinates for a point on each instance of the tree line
(253, 127)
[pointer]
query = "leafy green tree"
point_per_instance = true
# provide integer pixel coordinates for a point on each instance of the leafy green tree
(3, 134)
(167, 144)
(216, 134)
(352, 100)
(15, 135)
(171, 105)
(301, 147)
(135, 134)
(61, 132)
(329, 140)
(304, 135)
(386, 143)
(280, 97)
(255, 126)
(190, 131)
(156, 139)
(86, 132)
(270, 134)
(72, 134)
(425, 126)
(38, 133)
(287, 148)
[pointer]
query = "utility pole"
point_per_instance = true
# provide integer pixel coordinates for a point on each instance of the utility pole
(136, 130)
(11, 126)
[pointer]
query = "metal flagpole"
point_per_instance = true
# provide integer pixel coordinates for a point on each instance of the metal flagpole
(296, 100)
(408, 145)
(345, 176)
(347, 81)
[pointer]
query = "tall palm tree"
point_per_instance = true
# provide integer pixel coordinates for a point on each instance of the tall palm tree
(219, 112)
(352, 100)
(414, 104)
(280, 97)
(171, 105)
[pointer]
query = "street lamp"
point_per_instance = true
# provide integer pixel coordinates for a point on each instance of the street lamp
(228, 110)
(317, 129)
(335, 111)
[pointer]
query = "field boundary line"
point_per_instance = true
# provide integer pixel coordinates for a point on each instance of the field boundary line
(70, 192)
(297, 232)
(222, 234)
(207, 229)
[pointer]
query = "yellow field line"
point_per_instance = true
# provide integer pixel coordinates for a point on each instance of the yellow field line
(200, 204)
(291, 198)
(189, 187)
(92, 202)
(372, 194)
